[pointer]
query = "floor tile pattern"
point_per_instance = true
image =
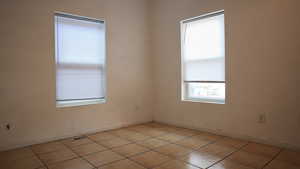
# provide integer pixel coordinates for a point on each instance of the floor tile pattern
(150, 146)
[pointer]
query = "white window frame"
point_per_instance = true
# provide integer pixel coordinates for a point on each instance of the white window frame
(72, 103)
(184, 86)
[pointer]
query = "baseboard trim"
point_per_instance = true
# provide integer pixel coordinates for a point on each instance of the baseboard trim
(237, 136)
(45, 140)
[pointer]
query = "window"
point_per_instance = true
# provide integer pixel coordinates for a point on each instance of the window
(80, 60)
(203, 58)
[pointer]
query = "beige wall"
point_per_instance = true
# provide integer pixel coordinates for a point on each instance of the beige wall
(262, 69)
(28, 72)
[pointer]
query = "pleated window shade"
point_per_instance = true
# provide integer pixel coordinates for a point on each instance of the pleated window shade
(204, 49)
(80, 58)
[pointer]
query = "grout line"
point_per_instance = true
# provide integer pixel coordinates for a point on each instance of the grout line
(81, 157)
(111, 149)
(193, 149)
(136, 142)
(45, 165)
(64, 160)
(67, 148)
(273, 158)
(237, 150)
(168, 155)
(150, 149)
(25, 157)
(107, 148)
(129, 157)
(77, 154)
(52, 151)
(61, 141)
(165, 131)
(218, 161)
(170, 159)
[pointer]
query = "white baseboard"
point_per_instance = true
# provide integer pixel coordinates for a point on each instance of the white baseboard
(49, 139)
(237, 136)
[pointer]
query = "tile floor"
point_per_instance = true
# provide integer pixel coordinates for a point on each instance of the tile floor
(152, 146)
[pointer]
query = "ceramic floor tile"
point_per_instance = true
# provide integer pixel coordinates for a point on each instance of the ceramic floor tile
(150, 159)
(229, 165)
(193, 142)
(103, 157)
(57, 156)
(170, 129)
(25, 163)
(121, 132)
(114, 142)
(153, 143)
(101, 136)
(171, 137)
(277, 164)
(48, 147)
(154, 132)
(155, 125)
(175, 164)
(288, 156)
(255, 161)
(139, 128)
(134, 136)
(236, 143)
(187, 132)
(77, 163)
(220, 151)
(88, 149)
(173, 150)
(12, 155)
(261, 149)
(130, 150)
(71, 142)
(123, 164)
(200, 159)
(208, 136)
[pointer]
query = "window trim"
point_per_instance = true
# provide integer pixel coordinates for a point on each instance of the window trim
(89, 101)
(207, 15)
(60, 104)
(184, 89)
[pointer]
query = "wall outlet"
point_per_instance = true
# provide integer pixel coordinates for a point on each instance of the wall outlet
(262, 118)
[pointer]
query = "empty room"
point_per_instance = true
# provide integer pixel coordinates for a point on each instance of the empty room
(149, 84)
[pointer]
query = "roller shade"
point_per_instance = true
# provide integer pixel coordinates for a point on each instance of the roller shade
(204, 49)
(80, 58)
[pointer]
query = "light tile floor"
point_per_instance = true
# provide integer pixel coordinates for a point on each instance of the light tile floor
(150, 146)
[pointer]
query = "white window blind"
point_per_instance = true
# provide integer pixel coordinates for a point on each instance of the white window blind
(203, 57)
(80, 58)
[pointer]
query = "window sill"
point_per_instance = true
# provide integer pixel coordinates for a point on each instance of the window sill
(203, 100)
(60, 104)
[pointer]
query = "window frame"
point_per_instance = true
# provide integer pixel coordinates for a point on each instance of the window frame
(89, 101)
(184, 83)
